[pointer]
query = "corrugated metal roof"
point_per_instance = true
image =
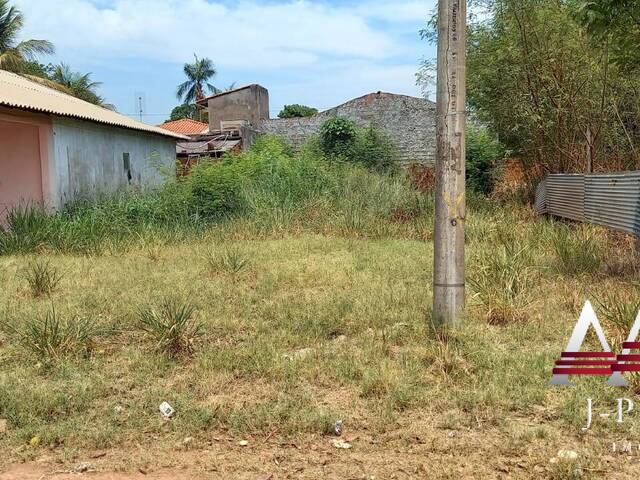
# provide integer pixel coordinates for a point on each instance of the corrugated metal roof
(186, 126)
(19, 92)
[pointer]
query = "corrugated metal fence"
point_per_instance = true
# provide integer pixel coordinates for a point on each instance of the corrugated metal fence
(609, 199)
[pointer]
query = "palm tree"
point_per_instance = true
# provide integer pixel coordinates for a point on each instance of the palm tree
(198, 75)
(79, 85)
(14, 54)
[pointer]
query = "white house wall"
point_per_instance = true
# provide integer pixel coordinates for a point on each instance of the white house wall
(88, 159)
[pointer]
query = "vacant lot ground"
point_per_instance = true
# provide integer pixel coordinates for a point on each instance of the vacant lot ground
(300, 329)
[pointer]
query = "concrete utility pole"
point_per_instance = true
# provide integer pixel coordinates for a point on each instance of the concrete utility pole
(448, 273)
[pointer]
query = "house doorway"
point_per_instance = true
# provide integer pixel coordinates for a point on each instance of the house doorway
(20, 167)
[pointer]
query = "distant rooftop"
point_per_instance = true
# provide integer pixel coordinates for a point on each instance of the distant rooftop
(203, 101)
(186, 126)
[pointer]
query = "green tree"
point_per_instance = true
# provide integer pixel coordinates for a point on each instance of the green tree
(296, 110)
(37, 69)
(375, 150)
(617, 24)
(78, 84)
(540, 87)
(197, 84)
(189, 110)
(14, 54)
(186, 110)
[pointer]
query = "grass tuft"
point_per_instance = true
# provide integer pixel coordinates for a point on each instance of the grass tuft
(42, 277)
(503, 283)
(618, 311)
(172, 327)
(577, 252)
(53, 337)
(231, 261)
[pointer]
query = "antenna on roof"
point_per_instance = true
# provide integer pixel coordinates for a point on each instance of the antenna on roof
(140, 103)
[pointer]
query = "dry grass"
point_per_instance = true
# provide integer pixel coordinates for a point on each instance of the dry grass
(299, 330)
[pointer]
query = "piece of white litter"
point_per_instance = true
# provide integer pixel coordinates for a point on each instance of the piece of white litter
(337, 427)
(567, 454)
(338, 443)
(167, 410)
(82, 467)
(243, 443)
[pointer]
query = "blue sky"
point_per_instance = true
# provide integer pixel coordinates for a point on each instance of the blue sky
(318, 53)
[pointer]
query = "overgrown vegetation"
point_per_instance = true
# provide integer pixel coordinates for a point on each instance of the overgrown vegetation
(577, 251)
(270, 185)
(341, 139)
(484, 154)
(312, 278)
(551, 79)
(504, 282)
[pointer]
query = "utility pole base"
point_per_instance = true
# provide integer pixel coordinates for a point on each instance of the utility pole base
(448, 304)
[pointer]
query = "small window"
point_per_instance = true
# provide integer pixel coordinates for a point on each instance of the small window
(127, 165)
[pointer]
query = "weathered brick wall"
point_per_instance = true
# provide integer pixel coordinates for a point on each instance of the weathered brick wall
(408, 121)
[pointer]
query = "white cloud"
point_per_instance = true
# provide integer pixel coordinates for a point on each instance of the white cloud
(303, 51)
(398, 11)
(293, 33)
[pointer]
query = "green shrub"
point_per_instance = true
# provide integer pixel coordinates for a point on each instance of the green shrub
(215, 189)
(338, 137)
(483, 152)
(374, 150)
(341, 139)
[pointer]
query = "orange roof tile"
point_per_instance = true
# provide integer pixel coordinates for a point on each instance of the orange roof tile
(186, 126)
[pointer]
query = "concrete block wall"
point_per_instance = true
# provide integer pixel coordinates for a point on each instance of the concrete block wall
(250, 103)
(409, 122)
